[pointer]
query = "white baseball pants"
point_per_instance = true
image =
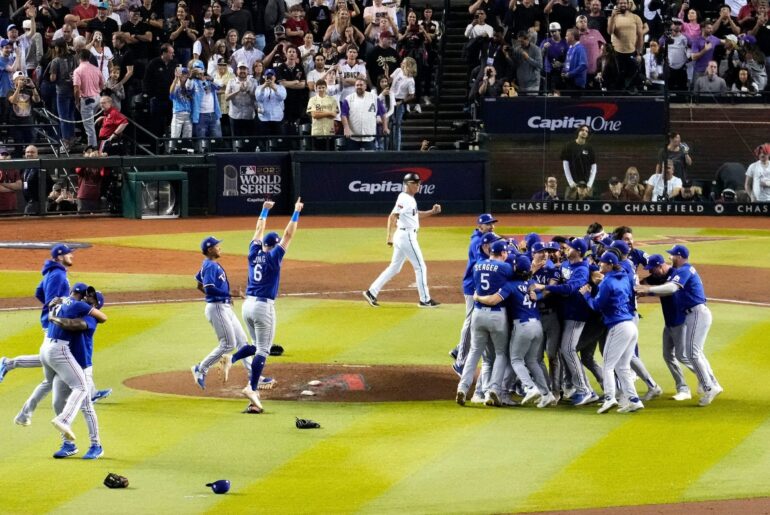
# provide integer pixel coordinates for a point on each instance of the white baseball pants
(405, 247)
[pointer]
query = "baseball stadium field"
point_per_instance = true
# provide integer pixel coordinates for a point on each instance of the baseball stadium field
(392, 439)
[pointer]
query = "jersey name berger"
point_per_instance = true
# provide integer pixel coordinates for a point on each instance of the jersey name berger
(259, 180)
(372, 188)
(486, 267)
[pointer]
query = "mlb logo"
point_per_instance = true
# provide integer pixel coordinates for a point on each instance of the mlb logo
(248, 170)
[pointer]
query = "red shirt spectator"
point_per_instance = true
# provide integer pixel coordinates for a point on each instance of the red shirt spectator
(113, 123)
(10, 184)
(85, 11)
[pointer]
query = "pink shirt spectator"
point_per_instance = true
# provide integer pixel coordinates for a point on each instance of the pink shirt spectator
(89, 79)
(593, 41)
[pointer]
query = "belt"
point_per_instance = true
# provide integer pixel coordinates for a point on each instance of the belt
(693, 309)
(405, 229)
(56, 341)
(495, 308)
(220, 302)
(260, 299)
(525, 320)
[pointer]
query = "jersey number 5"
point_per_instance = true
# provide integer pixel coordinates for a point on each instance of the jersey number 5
(257, 273)
(484, 280)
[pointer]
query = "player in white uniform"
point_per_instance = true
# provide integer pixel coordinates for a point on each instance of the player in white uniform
(403, 224)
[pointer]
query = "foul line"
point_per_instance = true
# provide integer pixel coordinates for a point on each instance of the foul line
(345, 292)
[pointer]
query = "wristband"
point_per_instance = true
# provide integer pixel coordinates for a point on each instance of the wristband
(295, 216)
(264, 212)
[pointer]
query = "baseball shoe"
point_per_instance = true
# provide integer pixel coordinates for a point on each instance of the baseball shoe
(684, 395)
(371, 299)
(518, 390)
(266, 383)
(453, 353)
(460, 398)
(708, 397)
(3, 368)
(101, 394)
(21, 420)
(653, 393)
(478, 398)
(633, 404)
(94, 452)
(492, 399)
(545, 400)
(555, 398)
(252, 396)
(569, 393)
(63, 428)
(507, 400)
(226, 362)
(581, 399)
(198, 377)
(458, 369)
(430, 304)
(609, 403)
(530, 394)
(67, 449)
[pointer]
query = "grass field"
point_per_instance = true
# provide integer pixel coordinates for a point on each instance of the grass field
(413, 457)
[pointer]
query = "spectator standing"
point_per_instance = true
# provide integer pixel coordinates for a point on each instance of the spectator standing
(55, 11)
(114, 88)
(413, 42)
(478, 27)
(89, 184)
(88, 82)
(527, 60)
(113, 125)
(576, 65)
(296, 26)
(319, 18)
(203, 47)
(761, 31)
(593, 41)
(703, 48)
(30, 183)
(403, 87)
(137, 35)
(597, 19)
(758, 175)
(35, 51)
(205, 113)
(350, 71)
(359, 112)
(85, 12)
(182, 34)
(291, 75)
(240, 95)
(579, 162)
(383, 57)
(61, 71)
(676, 152)
(181, 104)
(561, 12)
(101, 53)
(270, 97)
(323, 109)
(102, 23)
(625, 30)
(248, 53)
(711, 83)
(554, 54)
(663, 186)
(377, 10)
(307, 51)
(156, 84)
(123, 58)
(527, 16)
(488, 85)
(550, 190)
(9, 65)
(435, 30)
(61, 199)
(22, 99)
(677, 46)
(10, 184)
(237, 18)
(222, 76)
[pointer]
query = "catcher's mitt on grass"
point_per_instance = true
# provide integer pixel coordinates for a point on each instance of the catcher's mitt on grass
(115, 481)
(252, 410)
(306, 423)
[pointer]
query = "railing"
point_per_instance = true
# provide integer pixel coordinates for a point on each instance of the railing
(440, 69)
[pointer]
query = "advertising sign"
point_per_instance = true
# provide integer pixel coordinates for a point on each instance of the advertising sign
(246, 180)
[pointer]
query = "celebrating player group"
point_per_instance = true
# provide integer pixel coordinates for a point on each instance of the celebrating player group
(564, 299)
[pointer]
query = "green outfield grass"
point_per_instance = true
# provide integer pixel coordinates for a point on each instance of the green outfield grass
(413, 457)
(366, 245)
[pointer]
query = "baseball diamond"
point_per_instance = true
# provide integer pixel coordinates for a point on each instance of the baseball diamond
(671, 307)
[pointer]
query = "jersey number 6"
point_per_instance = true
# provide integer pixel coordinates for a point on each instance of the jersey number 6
(257, 273)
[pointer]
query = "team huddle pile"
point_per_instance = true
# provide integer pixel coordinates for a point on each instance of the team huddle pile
(565, 298)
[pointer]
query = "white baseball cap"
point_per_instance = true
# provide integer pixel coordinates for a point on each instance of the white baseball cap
(26, 24)
(16, 75)
(554, 26)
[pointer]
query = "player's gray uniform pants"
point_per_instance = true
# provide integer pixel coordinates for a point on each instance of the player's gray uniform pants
(637, 365)
(465, 333)
(570, 338)
(228, 330)
(526, 343)
(489, 331)
(259, 316)
(60, 393)
(673, 350)
(58, 362)
(552, 338)
(26, 361)
(405, 247)
(618, 349)
(697, 324)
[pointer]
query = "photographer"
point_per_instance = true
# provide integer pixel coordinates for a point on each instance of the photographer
(662, 186)
(488, 85)
(478, 28)
(527, 60)
(676, 152)
(677, 46)
(61, 199)
(205, 113)
(22, 99)
(270, 98)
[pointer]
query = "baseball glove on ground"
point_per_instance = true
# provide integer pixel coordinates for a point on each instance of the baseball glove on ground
(276, 350)
(115, 481)
(306, 423)
(252, 410)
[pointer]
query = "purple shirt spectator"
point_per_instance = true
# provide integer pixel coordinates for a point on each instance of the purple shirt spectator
(556, 51)
(699, 44)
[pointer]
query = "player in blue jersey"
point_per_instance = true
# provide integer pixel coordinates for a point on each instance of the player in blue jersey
(485, 224)
(673, 328)
(213, 283)
(612, 302)
(637, 256)
(265, 259)
(58, 356)
(54, 284)
(691, 298)
(489, 325)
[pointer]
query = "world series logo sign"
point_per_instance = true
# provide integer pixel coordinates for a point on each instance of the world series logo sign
(248, 179)
(251, 180)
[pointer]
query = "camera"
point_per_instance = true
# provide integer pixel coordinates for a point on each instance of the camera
(489, 73)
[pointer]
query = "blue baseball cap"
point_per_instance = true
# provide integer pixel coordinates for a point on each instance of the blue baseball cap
(607, 241)
(60, 250)
(610, 258)
(522, 263)
(538, 246)
(654, 261)
(513, 245)
(269, 73)
(209, 242)
(622, 246)
(578, 244)
(103, 5)
(221, 486)
(184, 70)
(97, 295)
(199, 65)
(271, 239)
(489, 237)
(80, 288)
(499, 246)
(531, 238)
(679, 250)
(553, 245)
(486, 218)
(4, 42)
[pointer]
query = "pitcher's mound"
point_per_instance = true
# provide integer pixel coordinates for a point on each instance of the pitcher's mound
(338, 383)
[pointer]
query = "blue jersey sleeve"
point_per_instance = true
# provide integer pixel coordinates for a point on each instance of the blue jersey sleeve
(214, 280)
(578, 277)
(681, 276)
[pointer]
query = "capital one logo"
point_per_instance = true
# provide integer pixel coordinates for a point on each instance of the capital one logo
(392, 182)
(601, 122)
